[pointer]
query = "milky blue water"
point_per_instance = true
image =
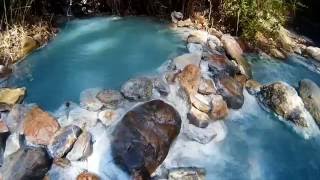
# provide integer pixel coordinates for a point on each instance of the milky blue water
(105, 52)
(100, 52)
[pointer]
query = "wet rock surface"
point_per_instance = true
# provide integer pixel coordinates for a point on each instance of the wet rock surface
(253, 87)
(27, 163)
(189, 79)
(206, 87)
(187, 173)
(89, 100)
(198, 118)
(143, 138)
(110, 98)
(138, 89)
(161, 86)
(63, 141)
(219, 108)
(82, 148)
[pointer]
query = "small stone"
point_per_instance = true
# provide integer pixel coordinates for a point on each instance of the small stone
(201, 102)
(187, 173)
(206, 87)
(63, 141)
(39, 127)
(89, 100)
(110, 98)
(9, 97)
(182, 61)
(219, 108)
(253, 87)
(138, 89)
(82, 148)
(198, 118)
(87, 176)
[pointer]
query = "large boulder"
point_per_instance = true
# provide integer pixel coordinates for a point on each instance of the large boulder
(284, 101)
(220, 63)
(143, 138)
(310, 94)
(230, 89)
(9, 97)
(189, 79)
(219, 108)
(39, 127)
(110, 98)
(182, 61)
(27, 163)
(176, 16)
(63, 141)
(234, 50)
(198, 118)
(82, 148)
(138, 89)
(314, 52)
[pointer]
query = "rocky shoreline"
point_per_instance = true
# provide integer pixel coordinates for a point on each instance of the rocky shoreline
(189, 100)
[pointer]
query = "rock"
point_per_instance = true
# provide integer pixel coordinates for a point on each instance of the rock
(82, 148)
(215, 32)
(185, 23)
(10, 97)
(3, 139)
(16, 117)
(213, 42)
(109, 116)
(27, 163)
(171, 76)
(89, 100)
(87, 176)
(314, 52)
(110, 98)
(234, 50)
(206, 87)
(63, 141)
(138, 89)
(195, 48)
(28, 44)
(219, 108)
(13, 144)
(200, 102)
(220, 63)
(200, 135)
(253, 87)
(277, 53)
(176, 16)
(284, 101)
(162, 87)
(198, 118)
(187, 173)
(3, 126)
(241, 79)
(310, 94)
(39, 127)
(285, 39)
(231, 91)
(189, 79)
(198, 37)
(182, 61)
(143, 138)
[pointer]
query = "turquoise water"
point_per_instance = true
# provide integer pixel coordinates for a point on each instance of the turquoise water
(100, 52)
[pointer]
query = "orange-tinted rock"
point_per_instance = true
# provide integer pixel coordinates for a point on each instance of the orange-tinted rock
(39, 127)
(3, 127)
(189, 79)
(87, 176)
(219, 108)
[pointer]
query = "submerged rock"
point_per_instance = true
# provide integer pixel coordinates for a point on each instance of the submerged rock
(187, 173)
(138, 89)
(89, 100)
(63, 141)
(231, 91)
(284, 100)
(198, 118)
(110, 98)
(253, 87)
(310, 94)
(143, 138)
(9, 97)
(182, 61)
(219, 108)
(82, 148)
(234, 50)
(202, 103)
(27, 163)
(39, 127)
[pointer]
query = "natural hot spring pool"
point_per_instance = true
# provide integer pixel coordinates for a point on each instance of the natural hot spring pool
(99, 52)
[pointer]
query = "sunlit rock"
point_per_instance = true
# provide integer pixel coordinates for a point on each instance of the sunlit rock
(89, 100)
(206, 87)
(234, 50)
(198, 118)
(187, 173)
(82, 148)
(137, 89)
(189, 79)
(314, 52)
(63, 141)
(182, 61)
(310, 94)
(39, 127)
(9, 97)
(144, 130)
(201, 102)
(219, 108)
(27, 163)
(110, 98)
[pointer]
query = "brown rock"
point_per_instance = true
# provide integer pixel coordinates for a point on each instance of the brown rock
(3, 127)
(198, 118)
(87, 176)
(189, 79)
(242, 79)
(200, 102)
(252, 86)
(219, 108)
(39, 127)
(206, 87)
(82, 148)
